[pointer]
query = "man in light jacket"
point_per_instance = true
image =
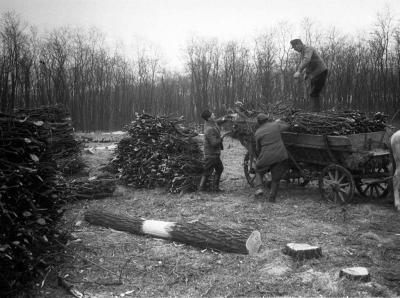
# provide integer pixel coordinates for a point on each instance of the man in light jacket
(315, 70)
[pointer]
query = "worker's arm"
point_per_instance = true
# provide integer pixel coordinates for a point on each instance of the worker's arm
(308, 51)
(283, 125)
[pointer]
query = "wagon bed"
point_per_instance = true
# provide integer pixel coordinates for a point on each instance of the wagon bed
(341, 164)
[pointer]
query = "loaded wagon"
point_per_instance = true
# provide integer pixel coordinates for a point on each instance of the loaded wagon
(340, 164)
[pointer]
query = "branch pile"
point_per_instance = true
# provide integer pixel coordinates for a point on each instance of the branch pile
(88, 189)
(29, 202)
(32, 142)
(159, 152)
(327, 122)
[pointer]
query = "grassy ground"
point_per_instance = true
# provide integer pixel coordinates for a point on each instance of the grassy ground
(107, 263)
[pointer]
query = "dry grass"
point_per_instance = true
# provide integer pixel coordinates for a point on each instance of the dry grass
(362, 234)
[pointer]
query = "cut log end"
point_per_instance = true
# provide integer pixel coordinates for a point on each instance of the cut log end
(253, 243)
(355, 273)
(302, 251)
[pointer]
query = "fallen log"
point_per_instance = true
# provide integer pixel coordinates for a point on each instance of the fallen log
(191, 233)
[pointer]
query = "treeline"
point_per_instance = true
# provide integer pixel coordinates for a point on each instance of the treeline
(103, 88)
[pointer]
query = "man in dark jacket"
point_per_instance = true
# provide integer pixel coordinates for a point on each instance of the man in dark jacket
(315, 71)
(272, 155)
(212, 151)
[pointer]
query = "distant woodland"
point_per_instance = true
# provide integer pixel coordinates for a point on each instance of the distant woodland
(103, 88)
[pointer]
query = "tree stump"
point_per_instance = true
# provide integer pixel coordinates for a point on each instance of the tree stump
(243, 241)
(355, 273)
(302, 251)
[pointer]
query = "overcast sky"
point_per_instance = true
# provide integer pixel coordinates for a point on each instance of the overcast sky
(169, 23)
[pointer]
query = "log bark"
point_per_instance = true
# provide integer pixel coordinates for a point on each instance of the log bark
(243, 241)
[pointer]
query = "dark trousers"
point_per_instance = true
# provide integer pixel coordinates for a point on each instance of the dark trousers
(316, 86)
(277, 171)
(212, 163)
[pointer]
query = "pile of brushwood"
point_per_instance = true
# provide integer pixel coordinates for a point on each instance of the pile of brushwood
(31, 192)
(159, 152)
(56, 131)
(330, 122)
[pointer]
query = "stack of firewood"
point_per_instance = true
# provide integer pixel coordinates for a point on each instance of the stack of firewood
(54, 128)
(159, 152)
(35, 145)
(90, 189)
(29, 200)
(329, 122)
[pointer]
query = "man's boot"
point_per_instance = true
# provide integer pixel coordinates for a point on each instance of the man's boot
(216, 181)
(274, 191)
(203, 182)
(315, 104)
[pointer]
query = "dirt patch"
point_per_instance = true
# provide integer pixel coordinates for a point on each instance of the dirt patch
(363, 234)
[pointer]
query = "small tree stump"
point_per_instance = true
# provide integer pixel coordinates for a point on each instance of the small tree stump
(355, 273)
(302, 251)
(193, 233)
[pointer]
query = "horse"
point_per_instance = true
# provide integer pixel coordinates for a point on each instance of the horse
(395, 148)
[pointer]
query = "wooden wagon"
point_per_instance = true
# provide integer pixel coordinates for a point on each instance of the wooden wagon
(340, 164)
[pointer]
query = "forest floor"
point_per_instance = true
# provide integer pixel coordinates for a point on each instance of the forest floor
(102, 262)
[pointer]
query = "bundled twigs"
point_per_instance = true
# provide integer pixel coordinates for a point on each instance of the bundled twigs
(54, 128)
(243, 125)
(91, 189)
(335, 123)
(159, 152)
(31, 194)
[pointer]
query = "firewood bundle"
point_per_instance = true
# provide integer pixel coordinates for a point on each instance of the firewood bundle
(30, 201)
(90, 189)
(328, 122)
(335, 122)
(159, 152)
(54, 127)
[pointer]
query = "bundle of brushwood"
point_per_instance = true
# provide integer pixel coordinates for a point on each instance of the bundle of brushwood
(159, 152)
(54, 128)
(91, 188)
(330, 122)
(30, 202)
(335, 122)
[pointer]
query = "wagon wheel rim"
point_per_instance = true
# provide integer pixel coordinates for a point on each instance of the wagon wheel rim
(336, 184)
(374, 190)
(249, 172)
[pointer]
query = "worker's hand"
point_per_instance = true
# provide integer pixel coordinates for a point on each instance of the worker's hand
(296, 74)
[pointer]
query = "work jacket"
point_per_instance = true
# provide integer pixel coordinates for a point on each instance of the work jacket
(269, 144)
(212, 139)
(311, 62)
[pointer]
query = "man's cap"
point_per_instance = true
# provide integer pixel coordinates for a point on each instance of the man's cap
(262, 117)
(206, 114)
(293, 42)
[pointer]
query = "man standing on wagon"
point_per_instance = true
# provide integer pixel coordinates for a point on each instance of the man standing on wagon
(272, 154)
(315, 71)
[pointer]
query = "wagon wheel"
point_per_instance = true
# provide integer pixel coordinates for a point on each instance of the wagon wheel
(250, 173)
(249, 169)
(336, 184)
(374, 188)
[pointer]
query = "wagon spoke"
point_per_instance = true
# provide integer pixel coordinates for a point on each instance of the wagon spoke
(336, 183)
(341, 197)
